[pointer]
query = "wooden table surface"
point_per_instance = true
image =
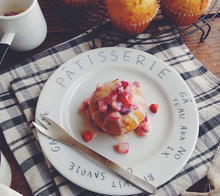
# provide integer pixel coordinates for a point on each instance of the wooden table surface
(207, 52)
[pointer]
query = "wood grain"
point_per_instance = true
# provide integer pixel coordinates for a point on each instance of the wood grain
(207, 52)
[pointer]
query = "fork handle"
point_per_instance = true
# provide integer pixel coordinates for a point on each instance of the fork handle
(132, 178)
(62, 136)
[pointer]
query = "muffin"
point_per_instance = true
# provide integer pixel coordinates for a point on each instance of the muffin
(183, 12)
(80, 4)
(131, 17)
(117, 107)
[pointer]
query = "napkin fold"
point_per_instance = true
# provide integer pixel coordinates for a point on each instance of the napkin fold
(213, 176)
(21, 85)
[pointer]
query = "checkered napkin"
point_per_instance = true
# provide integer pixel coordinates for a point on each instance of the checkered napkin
(21, 85)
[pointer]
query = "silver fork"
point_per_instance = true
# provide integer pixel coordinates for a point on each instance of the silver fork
(54, 131)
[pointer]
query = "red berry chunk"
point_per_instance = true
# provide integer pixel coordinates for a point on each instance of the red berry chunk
(110, 98)
(88, 114)
(134, 106)
(86, 101)
(122, 147)
(116, 105)
(145, 119)
(131, 90)
(85, 105)
(125, 98)
(103, 107)
(124, 84)
(154, 108)
(137, 84)
(142, 129)
(99, 86)
(87, 136)
(114, 115)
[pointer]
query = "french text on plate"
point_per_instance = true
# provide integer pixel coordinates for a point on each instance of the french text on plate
(78, 65)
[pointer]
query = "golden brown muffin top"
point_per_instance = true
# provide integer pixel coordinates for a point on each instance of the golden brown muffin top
(133, 11)
(187, 6)
(125, 106)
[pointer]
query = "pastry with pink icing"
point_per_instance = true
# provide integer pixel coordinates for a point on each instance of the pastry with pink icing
(118, 107)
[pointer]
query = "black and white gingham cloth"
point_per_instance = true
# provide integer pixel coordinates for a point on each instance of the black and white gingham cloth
(21, 85)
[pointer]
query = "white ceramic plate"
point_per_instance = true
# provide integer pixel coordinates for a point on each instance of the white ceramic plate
(157, 158)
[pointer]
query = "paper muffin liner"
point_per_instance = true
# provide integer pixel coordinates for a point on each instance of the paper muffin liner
(178, 18)
(128, 28)
(80, 4)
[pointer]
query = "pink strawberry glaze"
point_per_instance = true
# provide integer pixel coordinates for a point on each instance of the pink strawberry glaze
(88, 114)
(86, 101)
(116, 105)
(142, 129)
(99, 86)
(103, 107)
(137, 84)
(120, 102)
(85, 105)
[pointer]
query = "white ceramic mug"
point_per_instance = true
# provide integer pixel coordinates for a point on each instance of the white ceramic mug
(24, 31)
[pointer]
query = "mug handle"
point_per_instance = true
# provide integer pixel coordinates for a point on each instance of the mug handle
(4, 44)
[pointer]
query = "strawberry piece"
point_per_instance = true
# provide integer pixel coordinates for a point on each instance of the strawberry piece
(87, 136)
(111, 97)
(116, 87)
(145, 119)
(142, 129)
(88, 114)
(125, 98)
(122, 147)
(131, 90)
(134, 106)
(99, 86)
(83, 107)
(114, 115)
(116, 105)
(137, 84)
(124, 84)
(103, 107)
(154, 108)
(86, 101)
